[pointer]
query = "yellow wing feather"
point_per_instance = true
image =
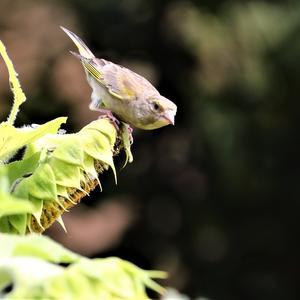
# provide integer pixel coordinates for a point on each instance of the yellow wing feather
(91, 69)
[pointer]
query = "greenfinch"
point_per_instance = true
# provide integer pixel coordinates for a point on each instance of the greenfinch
(125, 94)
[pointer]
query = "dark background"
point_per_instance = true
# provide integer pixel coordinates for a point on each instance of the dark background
(214, 200)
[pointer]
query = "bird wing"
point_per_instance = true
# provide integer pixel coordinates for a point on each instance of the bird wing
(124, 83)
(92, 66)
(109, 76)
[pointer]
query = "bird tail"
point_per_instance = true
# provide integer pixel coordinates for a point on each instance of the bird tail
(82, 47)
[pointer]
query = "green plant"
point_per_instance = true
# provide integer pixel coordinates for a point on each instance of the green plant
(55, 172)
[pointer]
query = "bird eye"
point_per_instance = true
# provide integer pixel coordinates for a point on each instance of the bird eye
(156, 106)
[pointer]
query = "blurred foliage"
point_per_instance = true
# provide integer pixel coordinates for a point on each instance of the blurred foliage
(218, 194)
(29, 269)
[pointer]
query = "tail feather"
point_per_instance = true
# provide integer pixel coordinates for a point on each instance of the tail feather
(82, 47)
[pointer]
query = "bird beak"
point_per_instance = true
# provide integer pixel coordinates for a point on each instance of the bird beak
(169, 116)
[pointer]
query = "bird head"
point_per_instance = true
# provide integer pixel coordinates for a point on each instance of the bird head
(161, 112)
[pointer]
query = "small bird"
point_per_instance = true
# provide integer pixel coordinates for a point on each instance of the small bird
(122, 92)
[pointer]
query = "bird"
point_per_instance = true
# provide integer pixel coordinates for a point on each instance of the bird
(121, 93)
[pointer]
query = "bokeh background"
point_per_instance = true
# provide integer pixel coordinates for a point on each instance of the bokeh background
(214, 200)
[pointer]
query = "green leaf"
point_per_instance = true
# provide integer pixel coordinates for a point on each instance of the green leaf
(27, 276)
(41, 184)
(69, 151)
(145, 276)
(32, 278)
(62, 191)
(105, 127)
(114, 277)
(5, 226)
(38, 208)
(19, 222)
(57, 287)
(89, 168)
(35, 245)
(126, 139)
(12, 139)
(21, 188)
(19, 168)
(10, 205)
(78, 284)
(4, 182)
(65, 174)
(98, 146)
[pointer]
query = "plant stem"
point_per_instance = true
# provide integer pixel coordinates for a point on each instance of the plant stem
(19, 96)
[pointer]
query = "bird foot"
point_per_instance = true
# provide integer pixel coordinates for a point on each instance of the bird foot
(108, 114)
